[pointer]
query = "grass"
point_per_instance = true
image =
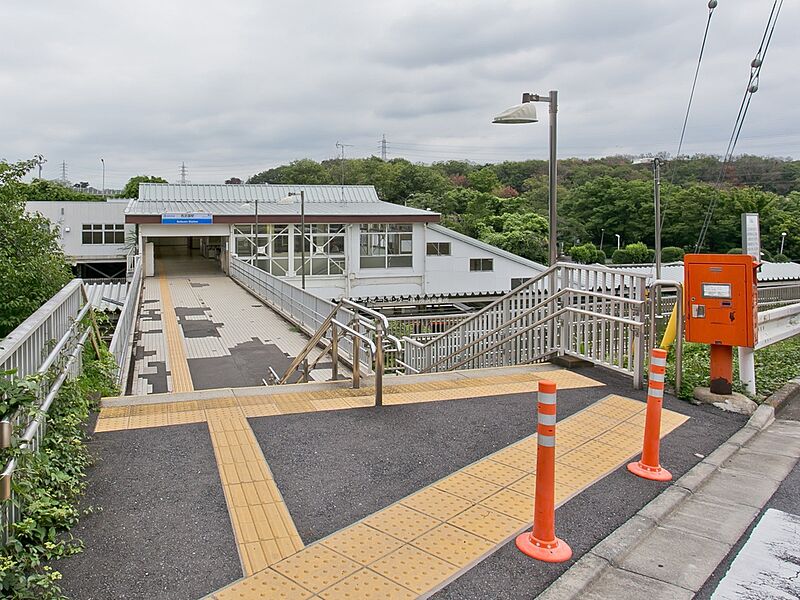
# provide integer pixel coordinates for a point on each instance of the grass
(775, 365)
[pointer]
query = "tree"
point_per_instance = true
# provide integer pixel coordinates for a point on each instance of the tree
(301, 172)
(32, 264)
(233, 181)
(484, 180)
(587, 253)
(671, 254)
(522, 234)
(131, 189)
(41, 189)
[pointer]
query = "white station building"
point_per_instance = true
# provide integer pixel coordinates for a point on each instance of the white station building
(356, 245)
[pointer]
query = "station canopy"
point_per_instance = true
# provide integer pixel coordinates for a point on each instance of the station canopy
(236, 203)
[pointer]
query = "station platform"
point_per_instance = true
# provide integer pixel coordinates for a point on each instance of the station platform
(197, 329)
(311, 491)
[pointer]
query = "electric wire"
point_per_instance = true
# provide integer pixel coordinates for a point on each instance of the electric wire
(750, 89)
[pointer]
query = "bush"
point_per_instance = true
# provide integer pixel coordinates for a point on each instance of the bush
(50, 482)
(672, 254)
(735, 251)
(585, 253)
(600, 257)
(621, 257)
(766, 255)
(781, 258)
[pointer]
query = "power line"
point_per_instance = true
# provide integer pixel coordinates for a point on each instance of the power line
(750, 89)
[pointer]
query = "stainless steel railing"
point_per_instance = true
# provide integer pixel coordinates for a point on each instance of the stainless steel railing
(48, 344)
(121, 342)
(591, 312)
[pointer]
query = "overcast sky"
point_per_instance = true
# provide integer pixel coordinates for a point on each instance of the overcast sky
(236, 87)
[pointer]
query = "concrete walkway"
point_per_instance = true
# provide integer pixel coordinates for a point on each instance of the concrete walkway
(197, 329)
(675, 543)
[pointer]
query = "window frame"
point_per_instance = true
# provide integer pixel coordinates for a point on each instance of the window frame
(473, 262)
(438, 249)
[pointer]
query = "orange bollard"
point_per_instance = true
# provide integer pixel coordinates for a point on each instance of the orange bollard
(649, 467)
(541, 543)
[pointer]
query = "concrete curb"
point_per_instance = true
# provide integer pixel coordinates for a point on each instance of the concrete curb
(610, 552)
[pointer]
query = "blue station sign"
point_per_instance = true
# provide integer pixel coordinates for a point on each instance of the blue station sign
(187, 219)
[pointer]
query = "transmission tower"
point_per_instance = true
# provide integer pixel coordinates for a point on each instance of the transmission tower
(183, 172)
(64, 171)
(383, 148)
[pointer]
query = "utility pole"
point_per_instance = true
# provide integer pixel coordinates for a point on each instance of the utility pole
(104, 176)
(183, 172)
(40, 160)
(383, 148)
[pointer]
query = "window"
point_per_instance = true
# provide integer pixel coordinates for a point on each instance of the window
(481, 264)
(386, 246)
(281, 248)
(438, 249)
(518, 281)
(109, 233)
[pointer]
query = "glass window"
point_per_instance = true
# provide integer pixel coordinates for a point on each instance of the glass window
(481, 264)
(386, 246)
(103, 233)
(438, 248)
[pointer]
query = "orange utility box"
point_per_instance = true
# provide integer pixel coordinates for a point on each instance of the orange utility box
(721, 299)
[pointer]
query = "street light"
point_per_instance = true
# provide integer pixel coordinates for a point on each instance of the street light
(618, 240)
(783, 239)
(656, 204)
(302, 195)
(602, 235)
(104, 176)
(526, 113)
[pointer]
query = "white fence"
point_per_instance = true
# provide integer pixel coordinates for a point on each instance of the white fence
(48, 343)
(122, 340)
(591, 312)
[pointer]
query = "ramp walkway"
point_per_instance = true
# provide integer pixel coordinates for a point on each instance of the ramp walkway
(309, 490)
(197, 329)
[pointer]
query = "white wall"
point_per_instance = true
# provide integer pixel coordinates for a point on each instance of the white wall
(70, 218)
(449, 274)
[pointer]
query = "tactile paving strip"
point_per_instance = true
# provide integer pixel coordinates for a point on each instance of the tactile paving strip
(447, 527)
(176, 353)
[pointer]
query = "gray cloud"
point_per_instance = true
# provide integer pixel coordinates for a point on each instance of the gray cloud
(233, 88)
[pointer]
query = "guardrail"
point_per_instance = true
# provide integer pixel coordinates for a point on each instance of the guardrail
(774, 326)
(49, 343)
(310, 313)
(424, 327)
(122, 341)
(586, 311)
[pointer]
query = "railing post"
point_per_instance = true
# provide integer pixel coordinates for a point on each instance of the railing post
(334, 352)
(378, 363)
(356, 357)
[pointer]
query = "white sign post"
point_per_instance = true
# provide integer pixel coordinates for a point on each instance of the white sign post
(751, 244)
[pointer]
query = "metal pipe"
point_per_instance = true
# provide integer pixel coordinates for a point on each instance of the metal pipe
(553, 175)
(379, 366)
(678, 287)
(303, 239)
(334, 352)
(356, 358)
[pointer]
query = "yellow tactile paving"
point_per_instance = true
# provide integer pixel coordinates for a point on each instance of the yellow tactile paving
(428, 538)
(176, 360)
(177, 413)
(264, 530)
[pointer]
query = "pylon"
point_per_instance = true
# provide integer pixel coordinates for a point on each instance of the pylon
(541, 543)
(649, 466)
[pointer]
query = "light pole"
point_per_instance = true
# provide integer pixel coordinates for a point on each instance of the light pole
(618, 240)
(526, 113)
(656, 205)
(783, 239)
(104, 176)
(302, 195)
(602, 235)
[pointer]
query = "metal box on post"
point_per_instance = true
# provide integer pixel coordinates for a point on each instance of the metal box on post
(721, 299)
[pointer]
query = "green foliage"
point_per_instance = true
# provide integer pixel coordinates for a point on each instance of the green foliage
(32, 264)
(50, 483)
(587, 253)
(131, 189)
(41, 189)
(775, 365)
(621, 257)
(735, 251)
(524, 234)
(638, 253)
(781, 258)
(484, 180)
(766, 255)
(672, 254)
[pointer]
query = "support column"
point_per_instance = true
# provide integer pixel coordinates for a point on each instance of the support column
(721, 369)
(747, 369)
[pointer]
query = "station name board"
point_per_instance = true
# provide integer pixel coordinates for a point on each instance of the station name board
(187, 219)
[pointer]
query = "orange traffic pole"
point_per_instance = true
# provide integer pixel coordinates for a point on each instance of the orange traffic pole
(649, 466)
(541, 543)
